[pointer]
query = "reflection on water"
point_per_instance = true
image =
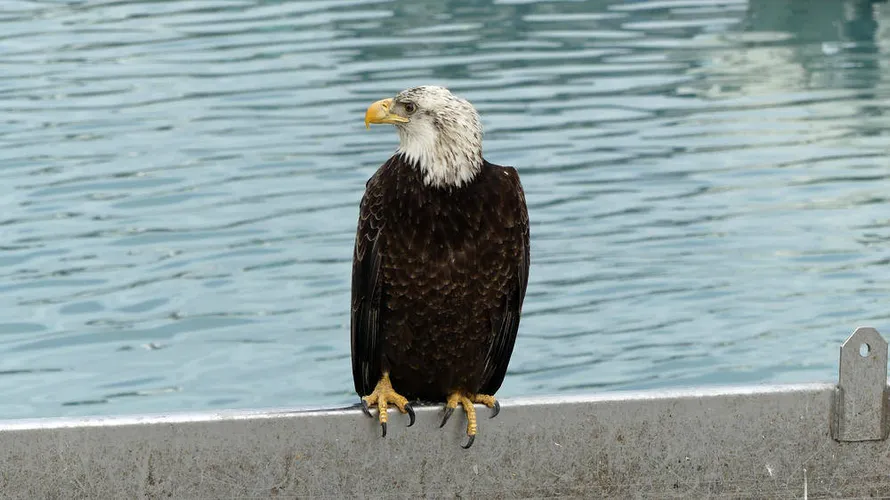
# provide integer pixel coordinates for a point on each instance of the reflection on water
(708, 183)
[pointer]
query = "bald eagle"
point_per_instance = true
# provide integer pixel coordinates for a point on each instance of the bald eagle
(440, 264)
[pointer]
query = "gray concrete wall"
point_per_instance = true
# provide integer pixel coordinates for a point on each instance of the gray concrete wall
(754, 442)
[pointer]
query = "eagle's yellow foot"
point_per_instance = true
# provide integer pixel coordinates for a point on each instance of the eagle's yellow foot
(383, 396)
(467, 400)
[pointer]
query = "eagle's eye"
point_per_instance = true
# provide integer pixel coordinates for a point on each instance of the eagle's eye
(410, 108)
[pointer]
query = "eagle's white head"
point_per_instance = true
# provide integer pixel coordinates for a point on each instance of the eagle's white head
(439, 132)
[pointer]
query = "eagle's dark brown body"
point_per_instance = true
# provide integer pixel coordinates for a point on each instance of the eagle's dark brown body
(439, 277)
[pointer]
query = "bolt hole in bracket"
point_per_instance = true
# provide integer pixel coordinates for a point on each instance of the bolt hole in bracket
(861, 396)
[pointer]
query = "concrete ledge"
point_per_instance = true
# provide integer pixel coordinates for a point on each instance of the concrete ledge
(746, 441)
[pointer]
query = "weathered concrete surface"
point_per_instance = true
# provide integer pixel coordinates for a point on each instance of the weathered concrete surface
(761, 442)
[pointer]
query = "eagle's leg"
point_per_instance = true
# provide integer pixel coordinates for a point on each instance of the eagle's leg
(382, 396)
(466, 400)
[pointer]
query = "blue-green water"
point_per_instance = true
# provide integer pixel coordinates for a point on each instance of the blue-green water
(708, 181)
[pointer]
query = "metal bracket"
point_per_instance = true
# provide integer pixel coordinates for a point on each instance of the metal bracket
(860, 404)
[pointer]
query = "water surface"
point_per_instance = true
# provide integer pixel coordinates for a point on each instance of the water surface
(708, 181)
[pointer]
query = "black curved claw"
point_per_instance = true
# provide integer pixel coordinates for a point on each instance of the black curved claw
(469, 442)
(448, 412)
(497, 409)
(411, 416)
(383, 424)
(366, 409)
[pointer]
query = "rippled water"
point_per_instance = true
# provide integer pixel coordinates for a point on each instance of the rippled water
(709, 185)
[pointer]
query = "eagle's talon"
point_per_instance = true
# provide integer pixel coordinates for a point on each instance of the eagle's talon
(448, 412)
(489, 401)
(384, 396)
(366, 409)
(469, 442)
(467, 400)
(411, 415)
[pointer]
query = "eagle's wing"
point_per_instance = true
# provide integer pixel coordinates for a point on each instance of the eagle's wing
(505, 322)
(366, 338)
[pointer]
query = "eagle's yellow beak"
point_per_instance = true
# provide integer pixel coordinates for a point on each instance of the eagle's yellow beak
(379, 113)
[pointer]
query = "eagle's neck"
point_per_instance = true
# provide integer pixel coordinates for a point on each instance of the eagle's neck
(444, 160)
